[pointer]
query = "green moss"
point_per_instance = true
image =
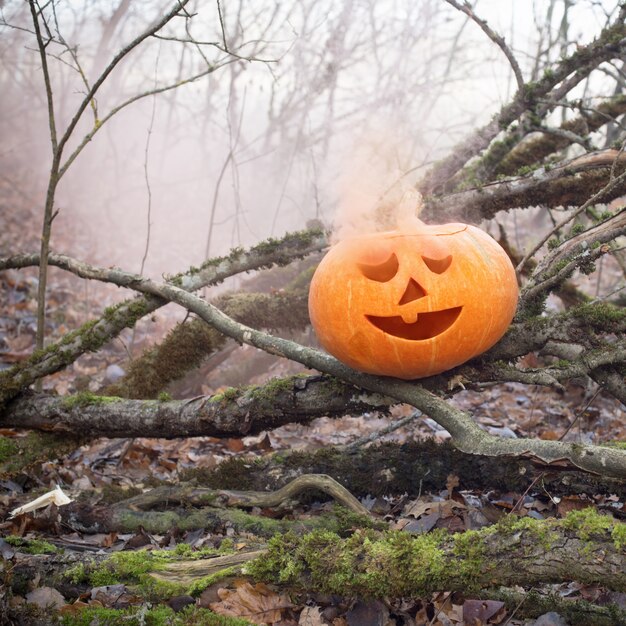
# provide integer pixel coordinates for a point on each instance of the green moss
(588, 522)
(577, 229)
(183, 549)
(265, 395)
(86, 398)
(76, 574)
(164, 397)
(553, 243)
(348, 521)
(618, 534)
(620, 445)
(261, 526)
(367, 564)
(27, 453)
(127, 566)
(527, 169)
(601, 316)
(32, 546)
(8, 448)
(155, 616)
(199, 585)
(229, 394)
(112, 494)
(541, 531)
(532, 310)
(469, 548)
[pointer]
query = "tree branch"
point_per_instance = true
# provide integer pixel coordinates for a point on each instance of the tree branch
(236, 412)
(610, 44)
(497, 39)
(567, 184)
(98, 332)
(466, 434)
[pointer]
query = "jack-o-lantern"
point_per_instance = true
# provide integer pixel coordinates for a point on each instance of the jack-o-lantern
(413, 304)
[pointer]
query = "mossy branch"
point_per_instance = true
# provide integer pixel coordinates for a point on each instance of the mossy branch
(93, 335)
(584, 547)
(189, 343)
(466, 434)
(549, 89)
(567, 184)
(516, 152)
(235, 412)
(410, 468)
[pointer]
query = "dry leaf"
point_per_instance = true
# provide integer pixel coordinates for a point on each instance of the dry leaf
(257, 603)
(482, 612)
(452, 482)
(45, 598)
(311, 616)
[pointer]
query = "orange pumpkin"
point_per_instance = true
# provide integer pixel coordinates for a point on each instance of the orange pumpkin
(413, 303)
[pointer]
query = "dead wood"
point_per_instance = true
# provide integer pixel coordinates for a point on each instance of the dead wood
(234, 412)
(412, 468)
(95, 334)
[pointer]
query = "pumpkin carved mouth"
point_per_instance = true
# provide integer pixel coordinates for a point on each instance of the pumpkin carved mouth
(427, 325)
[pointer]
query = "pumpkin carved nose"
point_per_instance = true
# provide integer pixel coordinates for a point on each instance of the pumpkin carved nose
(413, 291)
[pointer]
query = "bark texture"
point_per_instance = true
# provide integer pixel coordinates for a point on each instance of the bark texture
(524, 552)
(234, 412)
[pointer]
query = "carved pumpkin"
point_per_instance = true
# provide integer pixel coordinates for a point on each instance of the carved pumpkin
(413, 304)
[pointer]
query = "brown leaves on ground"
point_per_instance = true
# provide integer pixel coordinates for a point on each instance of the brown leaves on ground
(256, 603)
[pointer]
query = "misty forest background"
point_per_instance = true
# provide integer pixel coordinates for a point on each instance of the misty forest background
(155, 150)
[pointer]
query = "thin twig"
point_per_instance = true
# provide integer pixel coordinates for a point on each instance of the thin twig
(497, 39)
(614, 182)
(362, 441)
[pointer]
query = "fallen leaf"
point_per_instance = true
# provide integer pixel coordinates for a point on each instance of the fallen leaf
(45, 598)
(452, 482)
(571, 503)
(423, 524)
(481, 612)
(257, 603)
(311, 616)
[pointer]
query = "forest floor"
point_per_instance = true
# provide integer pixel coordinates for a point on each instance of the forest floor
(90, 472)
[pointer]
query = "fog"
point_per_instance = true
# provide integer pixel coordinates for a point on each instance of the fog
(312, 110)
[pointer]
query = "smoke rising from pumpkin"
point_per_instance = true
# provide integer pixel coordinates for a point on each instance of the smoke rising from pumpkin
(255, 149)
(374, 191)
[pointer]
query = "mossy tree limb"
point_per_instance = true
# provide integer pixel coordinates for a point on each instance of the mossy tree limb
(567, 184)
(517, 152)
(189, 343)
(411, 468)
(466, 434)
(395, 564)
(234, 412)
(549, 89)
(536, 149)
(95, 334)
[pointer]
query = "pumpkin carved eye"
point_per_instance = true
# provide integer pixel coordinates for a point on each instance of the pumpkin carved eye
(439, 266)
(381, 272)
